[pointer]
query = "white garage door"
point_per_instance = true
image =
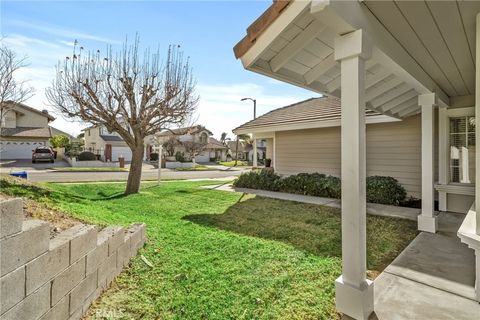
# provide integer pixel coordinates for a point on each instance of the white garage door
(121, 151)
(18, 149)
(202, 157)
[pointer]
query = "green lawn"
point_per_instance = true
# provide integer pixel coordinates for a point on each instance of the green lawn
(232, 163)
(221, 255)
(78, 169)
(198, 167)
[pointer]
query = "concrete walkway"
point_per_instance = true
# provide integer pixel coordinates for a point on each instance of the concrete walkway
(433, 278)
(372, 208)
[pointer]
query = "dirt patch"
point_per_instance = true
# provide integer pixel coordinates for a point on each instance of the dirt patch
(59, 221)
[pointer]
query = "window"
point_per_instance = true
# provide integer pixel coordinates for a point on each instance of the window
(203, 137)
(462, 149)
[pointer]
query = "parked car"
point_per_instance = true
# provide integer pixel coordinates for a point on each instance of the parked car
(43, 154)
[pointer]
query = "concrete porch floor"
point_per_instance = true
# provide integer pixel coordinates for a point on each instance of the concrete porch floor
(433, 278)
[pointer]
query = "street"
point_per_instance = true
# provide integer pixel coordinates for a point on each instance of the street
(41, 173)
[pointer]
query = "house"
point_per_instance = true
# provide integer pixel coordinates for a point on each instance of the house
(246, 150)
(210, 149)
(414, 61)
(109, 145)
(305, 137)
(23, 128)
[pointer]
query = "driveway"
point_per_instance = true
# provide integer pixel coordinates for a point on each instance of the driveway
(27, 165)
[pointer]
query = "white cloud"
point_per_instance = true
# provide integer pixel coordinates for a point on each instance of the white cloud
(221, 110)
(60, 31)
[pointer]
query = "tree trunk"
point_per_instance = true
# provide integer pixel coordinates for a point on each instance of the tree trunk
(135, 174)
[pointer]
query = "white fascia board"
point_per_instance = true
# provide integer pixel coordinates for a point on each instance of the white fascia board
(346, 16)
(310, 125)
(265, 40)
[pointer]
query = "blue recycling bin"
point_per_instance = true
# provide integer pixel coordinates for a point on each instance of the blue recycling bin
(20, 174)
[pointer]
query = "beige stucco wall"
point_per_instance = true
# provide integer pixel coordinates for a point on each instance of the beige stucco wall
(93, 140)
(31, 119)
(393, 149)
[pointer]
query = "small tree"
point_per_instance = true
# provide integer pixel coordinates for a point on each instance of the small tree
(194, 148)
(170, 145)
(132, 95)
(59, 141)
(244, 137)
(11, 90)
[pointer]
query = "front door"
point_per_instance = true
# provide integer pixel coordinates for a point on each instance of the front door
(108, 152)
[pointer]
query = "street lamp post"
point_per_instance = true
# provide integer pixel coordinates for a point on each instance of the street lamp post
(254, 139)
(159, 148)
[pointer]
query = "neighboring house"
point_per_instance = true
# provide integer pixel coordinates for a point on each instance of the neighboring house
(212, 150)
(305, 137)
(411, 60)
(245, 150)
(108, 145)
(23, 128)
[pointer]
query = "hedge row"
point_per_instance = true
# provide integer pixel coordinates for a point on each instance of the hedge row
(384, 190)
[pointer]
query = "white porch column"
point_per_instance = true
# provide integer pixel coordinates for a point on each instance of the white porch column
(443, 156)
(353, 292)
(255, 152)
(427, 221)
(477, 134)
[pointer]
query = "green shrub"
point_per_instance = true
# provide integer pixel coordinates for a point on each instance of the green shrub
(264, 180)
(154, 156)
(312, 184)
(385, 190)
(180, 156)
(86, 156)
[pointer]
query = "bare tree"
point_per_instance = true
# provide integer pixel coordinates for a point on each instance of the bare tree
(128, 94)
(194, 148)
(11, 90)
(170, 145)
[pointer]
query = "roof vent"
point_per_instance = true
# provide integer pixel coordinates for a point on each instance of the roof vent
(45, 111)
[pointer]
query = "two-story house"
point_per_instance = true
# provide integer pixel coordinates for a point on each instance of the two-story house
(109, 145)
(212, 149)
(23, 128)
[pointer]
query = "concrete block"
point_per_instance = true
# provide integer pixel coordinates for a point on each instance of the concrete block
(95, 294)
(67, 280)
(46, 266)
(97, 255)
(116, 239)
(123, 255)
(83, 238)
(12, 289)
(82, 291)
(106, 271)
(11, 216)
(32, 307)
(22, 247)
(135, 232)
(59, 311)
(77, 315)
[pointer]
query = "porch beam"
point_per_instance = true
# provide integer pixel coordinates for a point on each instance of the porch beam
(427, 220)
(296, 45)
(353, 292)
(442, 156)
(382, 88)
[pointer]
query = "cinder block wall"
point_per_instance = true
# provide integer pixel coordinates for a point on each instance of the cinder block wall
(43, 278)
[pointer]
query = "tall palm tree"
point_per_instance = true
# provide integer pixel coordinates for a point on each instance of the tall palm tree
(223, 138)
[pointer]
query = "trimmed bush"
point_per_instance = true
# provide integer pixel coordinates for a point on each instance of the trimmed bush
(385, 190)
(154, 156)
(180, 156)
(264, 180)
(86, 156)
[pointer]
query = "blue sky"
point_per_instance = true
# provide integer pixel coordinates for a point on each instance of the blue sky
(206, 31)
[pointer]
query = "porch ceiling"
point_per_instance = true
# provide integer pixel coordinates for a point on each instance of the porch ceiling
(418, 48)
(439, 35)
